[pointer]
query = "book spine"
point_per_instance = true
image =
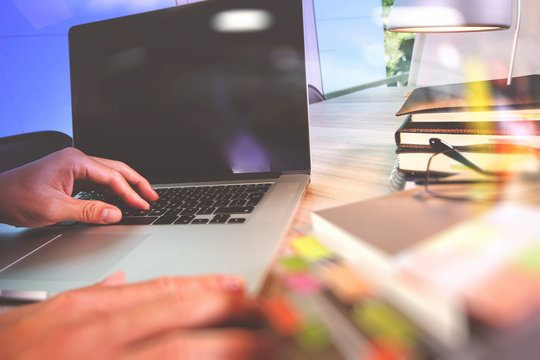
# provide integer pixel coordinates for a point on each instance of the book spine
(519, 129)
(414, 149)
(467, 131)
(402, 128)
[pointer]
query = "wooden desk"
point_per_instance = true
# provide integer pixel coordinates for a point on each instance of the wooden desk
(352, 148)
(353, 154)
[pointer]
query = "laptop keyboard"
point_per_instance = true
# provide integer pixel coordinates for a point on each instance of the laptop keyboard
(212, 204)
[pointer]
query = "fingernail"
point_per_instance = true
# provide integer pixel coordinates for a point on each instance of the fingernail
(116, 278)
(232, 284)
(110, 216)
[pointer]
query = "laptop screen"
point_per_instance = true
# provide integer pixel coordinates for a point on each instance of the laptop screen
(208, 91)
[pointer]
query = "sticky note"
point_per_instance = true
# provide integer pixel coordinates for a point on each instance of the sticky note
(380, 321)
(282, 316)
(310, 249)
(313, 337)
(345, 284)
(302, 283)
(294, 264)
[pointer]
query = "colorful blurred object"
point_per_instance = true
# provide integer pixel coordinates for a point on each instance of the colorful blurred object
(310, 249)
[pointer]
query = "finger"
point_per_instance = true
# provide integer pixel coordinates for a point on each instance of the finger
(131, 294)
(12, 316)
(175, 312)
(90, 169)
(115, 279)
(210, 344)
(106, 299)
(88, 211)
(133, 177)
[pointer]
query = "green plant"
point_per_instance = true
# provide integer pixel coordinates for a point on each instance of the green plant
(398, 46)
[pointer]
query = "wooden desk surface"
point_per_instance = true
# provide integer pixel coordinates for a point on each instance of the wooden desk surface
(352, 148)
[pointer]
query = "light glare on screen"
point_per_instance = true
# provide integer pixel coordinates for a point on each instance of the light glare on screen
(241, 20)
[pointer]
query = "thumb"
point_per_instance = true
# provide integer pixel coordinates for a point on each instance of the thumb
(91, 211)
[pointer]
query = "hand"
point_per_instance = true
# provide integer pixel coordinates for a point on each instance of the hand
(167, 318)
(39, 193)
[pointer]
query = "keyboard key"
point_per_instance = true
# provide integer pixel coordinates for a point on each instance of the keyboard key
(138, 220)
(165, 220)
(206, 211)
(190, 211)
(242, 196)
(157, 212)
(253, 202)
(200, 221)
(234, 210)
(221, 203)
(220, 219)
(236, 221)
(224, 197)
(183, 220)
(238, 202)
(190, 204)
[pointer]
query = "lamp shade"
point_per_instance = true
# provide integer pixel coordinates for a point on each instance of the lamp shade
(450, 15)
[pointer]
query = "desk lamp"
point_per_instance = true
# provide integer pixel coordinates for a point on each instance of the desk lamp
(444, 16)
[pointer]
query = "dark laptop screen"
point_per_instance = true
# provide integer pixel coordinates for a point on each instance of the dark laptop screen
(205, 91)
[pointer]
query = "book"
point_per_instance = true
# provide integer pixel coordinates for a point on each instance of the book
(464, 114)
(469, 133)
(484, 256)
(489, 95)
(372, 235)
(414, 159)
(477, 116)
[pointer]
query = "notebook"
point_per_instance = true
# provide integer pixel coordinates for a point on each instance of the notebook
(210, 94)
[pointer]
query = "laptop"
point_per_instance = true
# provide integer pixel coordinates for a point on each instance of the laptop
(203, 99)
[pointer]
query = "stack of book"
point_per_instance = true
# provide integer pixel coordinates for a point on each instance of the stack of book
(442, 263)
(483, 112)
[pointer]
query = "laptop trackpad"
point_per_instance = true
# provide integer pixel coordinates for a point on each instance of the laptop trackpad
(16, 243)
(74, 256)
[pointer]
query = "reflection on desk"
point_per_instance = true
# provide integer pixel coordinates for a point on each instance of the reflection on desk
(352, 148)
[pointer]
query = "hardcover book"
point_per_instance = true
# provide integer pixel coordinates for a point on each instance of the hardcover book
(469, 133)
(414, 159)
(372, 235)
(465, 114)
(489, 95)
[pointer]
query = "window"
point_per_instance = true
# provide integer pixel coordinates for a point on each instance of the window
(34, 63)
(347, 50)
(355, 51)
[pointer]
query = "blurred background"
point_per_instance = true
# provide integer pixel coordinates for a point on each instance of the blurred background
(346, 46)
